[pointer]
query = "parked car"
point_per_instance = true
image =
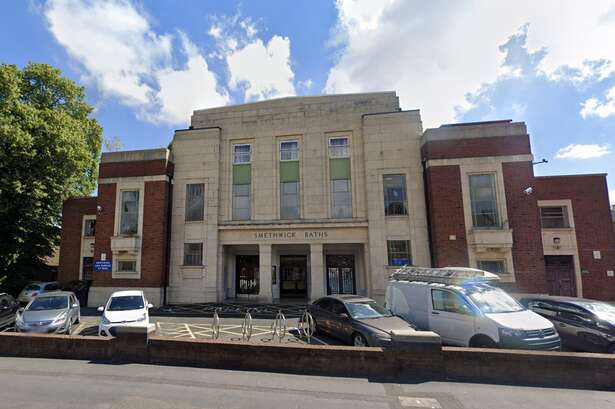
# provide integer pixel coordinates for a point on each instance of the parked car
(8, 310)
(124, 309)
(53, 312)
(36, 288)
(583, 324)
(358, 320)
(81, 289)
(462, 307)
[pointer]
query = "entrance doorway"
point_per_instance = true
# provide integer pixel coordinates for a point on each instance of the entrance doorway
(246, 273)
(293, 276)
(560, 275)
(340, 274)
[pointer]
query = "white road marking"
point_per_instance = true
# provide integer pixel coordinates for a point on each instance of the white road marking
(412, 402)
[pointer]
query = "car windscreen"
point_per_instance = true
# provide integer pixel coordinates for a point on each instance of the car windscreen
(492, 300)
(367, 309)
(33, 287)
(125, 303)
(49, 303)
(602, 310)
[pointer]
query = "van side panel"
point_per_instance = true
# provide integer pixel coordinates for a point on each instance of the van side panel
(409, 301)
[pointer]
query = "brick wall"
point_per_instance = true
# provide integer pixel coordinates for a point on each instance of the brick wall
(524, 220)
(70, 240)
(445, 202)
(592, 219)
(104, 230)
(477, 147)
(135, 168)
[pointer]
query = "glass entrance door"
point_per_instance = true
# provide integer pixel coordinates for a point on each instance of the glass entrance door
(293, 276)
(340, 274)
(246, 273)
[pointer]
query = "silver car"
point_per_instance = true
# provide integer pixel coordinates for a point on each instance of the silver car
(36, 288)
(54, 312)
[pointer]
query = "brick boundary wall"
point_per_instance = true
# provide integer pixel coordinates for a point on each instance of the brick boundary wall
(530, 368)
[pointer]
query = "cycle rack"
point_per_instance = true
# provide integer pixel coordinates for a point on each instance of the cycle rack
(215, 325)
(246, 328)
(278, 327)
(306, 326)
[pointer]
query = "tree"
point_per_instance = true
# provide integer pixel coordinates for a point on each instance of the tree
(113, 145)
(49, 150)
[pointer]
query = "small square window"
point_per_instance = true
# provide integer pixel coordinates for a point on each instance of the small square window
(289, 150)
(339, 148)
(193, 254)
(554, 217)
(399, 252)
(126, 266)
(241, 154)
(493, 266)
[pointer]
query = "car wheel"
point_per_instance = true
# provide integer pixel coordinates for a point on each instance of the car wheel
(69, 328)
(78, 320)
(483, 342)
(359, 340)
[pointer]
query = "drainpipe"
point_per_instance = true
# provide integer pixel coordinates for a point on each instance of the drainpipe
(432, 255)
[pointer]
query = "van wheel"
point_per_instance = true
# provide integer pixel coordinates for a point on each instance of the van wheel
(482, 341)
(359, 340)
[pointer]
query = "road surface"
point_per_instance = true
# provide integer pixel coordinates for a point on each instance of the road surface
(66, 384)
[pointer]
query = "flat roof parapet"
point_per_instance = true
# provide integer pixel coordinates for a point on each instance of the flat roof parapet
(472, 130)
(137, 155)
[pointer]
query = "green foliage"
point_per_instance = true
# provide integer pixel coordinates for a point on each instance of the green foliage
(49, 150)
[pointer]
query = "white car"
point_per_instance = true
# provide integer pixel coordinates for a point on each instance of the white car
(124, 309)
(36, 288)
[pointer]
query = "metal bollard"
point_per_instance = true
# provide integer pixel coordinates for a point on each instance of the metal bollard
(306, 326)
(246, 328)
(215, 325)
(278, 327)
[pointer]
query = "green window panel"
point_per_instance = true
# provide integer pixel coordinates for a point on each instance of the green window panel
(289, 171)
(242, 174)
(339, 168)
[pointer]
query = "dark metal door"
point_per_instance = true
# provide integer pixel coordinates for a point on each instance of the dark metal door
(293, 276)
(340, 274)
(247, 275)
(560, 274)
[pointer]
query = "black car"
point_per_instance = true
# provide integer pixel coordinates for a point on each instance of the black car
(8, 310)
(358, 320)
(583, 325)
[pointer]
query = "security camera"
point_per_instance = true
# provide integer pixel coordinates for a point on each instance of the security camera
(99, 209)
(528, 191)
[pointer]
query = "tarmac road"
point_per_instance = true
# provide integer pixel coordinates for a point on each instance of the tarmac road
(66, 384)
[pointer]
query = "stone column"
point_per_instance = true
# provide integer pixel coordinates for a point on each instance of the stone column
(264, 268)
(317, 272)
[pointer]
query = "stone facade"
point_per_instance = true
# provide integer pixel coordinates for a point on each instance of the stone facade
(369, 189)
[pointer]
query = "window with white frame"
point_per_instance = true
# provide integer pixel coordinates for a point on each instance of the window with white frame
(483, 199)
(126, 266)
(398, 252)
(193, 254)
(339, 148)
(289, 200)
(89, 227)
(289, 150)
(554, 217)
(395, 198)
(129, 212)
(195, 202)
(341, 198)
(241, 154)
(493, 266)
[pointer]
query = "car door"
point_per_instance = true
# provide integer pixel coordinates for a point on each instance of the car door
(322, 314)
(74, 310)
(341, 321)
(579, 329)
(451, 317)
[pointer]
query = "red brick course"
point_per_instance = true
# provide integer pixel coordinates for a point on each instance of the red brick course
(592, 219)
(135, 168)
(104, 230)
(477, 147)
(445, 203)
(70, 240)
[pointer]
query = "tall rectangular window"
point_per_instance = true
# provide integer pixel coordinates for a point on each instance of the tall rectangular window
(89, 228)
(555, 217)
(395, 199)
(483, 199)
(195, 202)
(241, 154)
(399, 252)
(193, 254)
(289, 200)
(241, 202)
(129, 218)
(289, 150)
(341, 198)
(338, 148)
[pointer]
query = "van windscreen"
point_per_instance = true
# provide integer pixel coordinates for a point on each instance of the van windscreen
(492, 300)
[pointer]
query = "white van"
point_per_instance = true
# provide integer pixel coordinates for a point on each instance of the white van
(462, 307)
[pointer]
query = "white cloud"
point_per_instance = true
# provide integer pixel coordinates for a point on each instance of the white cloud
(435, 53)
(593, 106)
(124, 57)
(575, 151)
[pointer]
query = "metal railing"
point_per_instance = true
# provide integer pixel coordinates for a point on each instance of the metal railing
(278, 327)
(215, 325)
(246, 327)
(306, 326)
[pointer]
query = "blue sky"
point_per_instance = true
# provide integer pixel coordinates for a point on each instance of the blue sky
(147, 64)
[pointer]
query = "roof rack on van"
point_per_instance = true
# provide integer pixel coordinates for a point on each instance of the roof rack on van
(446, 275)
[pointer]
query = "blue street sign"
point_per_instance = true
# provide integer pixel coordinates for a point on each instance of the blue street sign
(102, 265)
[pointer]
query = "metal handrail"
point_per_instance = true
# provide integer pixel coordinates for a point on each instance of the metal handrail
(246, 327)
(278, 327)
(306, 326)
(215, 325)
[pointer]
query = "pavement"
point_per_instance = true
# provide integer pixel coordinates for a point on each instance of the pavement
(67, 384)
